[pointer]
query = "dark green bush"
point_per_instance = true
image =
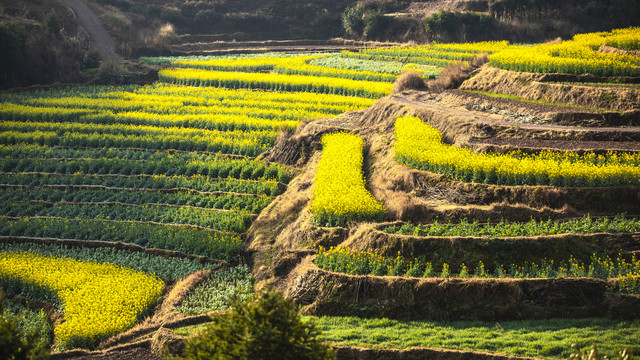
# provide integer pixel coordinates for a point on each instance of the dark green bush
(16, 345)
(453, 26)
(270, 328)
(352, 20)
(359, 21)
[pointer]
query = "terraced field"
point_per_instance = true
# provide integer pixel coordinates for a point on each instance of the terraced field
(505, 212)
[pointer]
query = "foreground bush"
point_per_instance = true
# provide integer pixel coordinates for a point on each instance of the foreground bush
(270, 328)
(16, 345)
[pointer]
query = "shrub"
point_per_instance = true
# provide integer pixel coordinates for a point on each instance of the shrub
(270, 328)
(352, 19)
(359, 21)
(456, 73)
(409, 80)
(16, 345)
(373, 23)
(450, 26)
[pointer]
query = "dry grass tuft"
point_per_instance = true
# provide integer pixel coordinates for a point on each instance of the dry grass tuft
(456, 73)
(409, 80)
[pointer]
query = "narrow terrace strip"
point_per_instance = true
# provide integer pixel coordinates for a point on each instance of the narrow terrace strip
(113, 188)
(116, 203)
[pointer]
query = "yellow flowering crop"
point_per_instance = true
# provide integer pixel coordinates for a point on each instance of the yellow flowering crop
(577, 56)
(340, 194)
(279, 82)
(420, 146)
(98, 299)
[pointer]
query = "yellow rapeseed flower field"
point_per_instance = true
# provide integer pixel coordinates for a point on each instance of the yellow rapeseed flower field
(420, 146)
(340, 194)
(279, 82)
(98, 299)
(577, 56)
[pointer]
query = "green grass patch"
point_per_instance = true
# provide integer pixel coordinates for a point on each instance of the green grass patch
(535, 338)
(190, 330)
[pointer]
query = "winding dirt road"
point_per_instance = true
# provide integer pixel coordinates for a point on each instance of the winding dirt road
(100, 38)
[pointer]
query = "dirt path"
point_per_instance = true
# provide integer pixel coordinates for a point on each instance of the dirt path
(100, 38)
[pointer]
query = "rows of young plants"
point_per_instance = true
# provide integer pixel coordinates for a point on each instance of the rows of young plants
(321, 73)
(439, 55)
(198, 184)
(277, 82)
(23, 158)
(340, 194)
(351, 261)
(219, 290)
(420, 146)
(186, 239)
(52, 195)
(159, 166)
(584, 225)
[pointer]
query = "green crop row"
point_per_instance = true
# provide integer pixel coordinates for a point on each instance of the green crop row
(227, 221)
(252, 204)
(350, 261)
(213, 244)
(218, 290)
(91, 135)
(25, 158)
(585, 225)
(145, 182)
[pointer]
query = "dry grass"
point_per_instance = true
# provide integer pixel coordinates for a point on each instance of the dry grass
(409, 80)
(456, 73)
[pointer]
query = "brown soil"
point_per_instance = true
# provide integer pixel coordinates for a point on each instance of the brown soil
(136, 353)
(200, 45)
(534, 113)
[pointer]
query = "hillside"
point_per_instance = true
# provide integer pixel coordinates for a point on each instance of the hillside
(56, 47)
(473, 200)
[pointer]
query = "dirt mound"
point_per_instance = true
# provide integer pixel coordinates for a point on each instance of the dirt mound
(531, 86)
(296, 149)
(611, 50)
